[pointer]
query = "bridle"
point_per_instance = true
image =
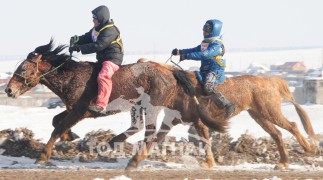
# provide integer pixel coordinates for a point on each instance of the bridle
(26, 83)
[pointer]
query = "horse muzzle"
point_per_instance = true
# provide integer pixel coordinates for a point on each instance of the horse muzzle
(9, 92)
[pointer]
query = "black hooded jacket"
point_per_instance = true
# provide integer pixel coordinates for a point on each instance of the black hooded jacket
(103, 46)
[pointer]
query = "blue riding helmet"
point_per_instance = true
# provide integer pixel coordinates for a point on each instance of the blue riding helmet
(213, 27)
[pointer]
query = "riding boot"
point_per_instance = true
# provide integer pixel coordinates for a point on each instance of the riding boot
(223, 103)
(96, 109)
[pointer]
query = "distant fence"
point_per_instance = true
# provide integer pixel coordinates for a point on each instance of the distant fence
(28, 100)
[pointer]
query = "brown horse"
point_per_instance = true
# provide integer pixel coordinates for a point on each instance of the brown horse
(260, 96)
(75, 83)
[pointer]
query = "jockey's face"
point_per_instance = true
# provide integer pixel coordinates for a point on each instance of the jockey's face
(96, 22)
(205, 33)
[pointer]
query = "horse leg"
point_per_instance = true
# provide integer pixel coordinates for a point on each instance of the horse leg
(66, 123)
(203, 132)
(69, 136)
(145, 148)
(150, 121)
(137, 124)
(292, 128)
(270, 128)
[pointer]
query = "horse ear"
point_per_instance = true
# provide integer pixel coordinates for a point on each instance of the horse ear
(37, 58)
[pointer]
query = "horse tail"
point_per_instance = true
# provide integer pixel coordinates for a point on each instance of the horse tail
(287, 95)
(185, 82)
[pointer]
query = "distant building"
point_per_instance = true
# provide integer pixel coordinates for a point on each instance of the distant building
(257, 69)
(293, 67)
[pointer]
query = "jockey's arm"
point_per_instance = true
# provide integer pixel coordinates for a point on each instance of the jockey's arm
(104, 40)
(85, 38)
(189, 50)
(211, 51)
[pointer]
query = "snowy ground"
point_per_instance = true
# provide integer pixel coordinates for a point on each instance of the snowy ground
(38, 119)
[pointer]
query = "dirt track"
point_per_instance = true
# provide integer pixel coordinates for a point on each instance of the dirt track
(246, 149)
(156, 174)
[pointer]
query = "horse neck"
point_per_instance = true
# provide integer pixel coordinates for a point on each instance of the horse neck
(59, 77)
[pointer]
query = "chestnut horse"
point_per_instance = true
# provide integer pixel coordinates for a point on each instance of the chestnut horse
(260, 96)
(75, 83)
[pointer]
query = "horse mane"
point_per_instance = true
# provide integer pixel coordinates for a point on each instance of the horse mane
(53, 56)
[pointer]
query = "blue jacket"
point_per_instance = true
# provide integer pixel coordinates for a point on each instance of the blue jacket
(206, 52)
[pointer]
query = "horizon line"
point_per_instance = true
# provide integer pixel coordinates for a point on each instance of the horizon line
(140, 52)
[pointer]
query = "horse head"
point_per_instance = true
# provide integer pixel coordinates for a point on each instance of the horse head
(25, 77)
(30, 72)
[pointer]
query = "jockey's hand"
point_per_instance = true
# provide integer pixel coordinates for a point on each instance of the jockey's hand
(74, 48)
(175, 52)
(74, 39)
(182, 57)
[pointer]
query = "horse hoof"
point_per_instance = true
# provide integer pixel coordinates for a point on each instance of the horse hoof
(281, 166)
(69, 137)
(40, 161)
(111, 144)
(45, 163)
(49, 164)
(72, 136)
(207, 165)
(131, 166)
(314, 150)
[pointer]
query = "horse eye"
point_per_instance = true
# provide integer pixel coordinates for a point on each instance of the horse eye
(24, 67)
(23, 73)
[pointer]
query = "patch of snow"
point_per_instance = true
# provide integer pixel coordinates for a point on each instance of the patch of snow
(123, 177)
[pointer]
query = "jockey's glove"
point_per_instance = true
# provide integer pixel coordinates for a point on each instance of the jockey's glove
(74, 39)
(74, 48)
(175, 52)
(182, 57)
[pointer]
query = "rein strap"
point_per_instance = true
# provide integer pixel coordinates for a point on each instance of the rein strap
(39, 77)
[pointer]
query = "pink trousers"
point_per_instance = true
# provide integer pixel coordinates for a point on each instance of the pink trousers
(105, 83)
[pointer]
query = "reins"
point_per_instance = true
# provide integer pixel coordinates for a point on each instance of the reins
(171, 60)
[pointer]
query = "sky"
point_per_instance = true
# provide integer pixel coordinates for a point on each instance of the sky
(160, 26)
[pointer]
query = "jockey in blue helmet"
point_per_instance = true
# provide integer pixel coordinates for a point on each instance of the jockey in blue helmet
(210, 52)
